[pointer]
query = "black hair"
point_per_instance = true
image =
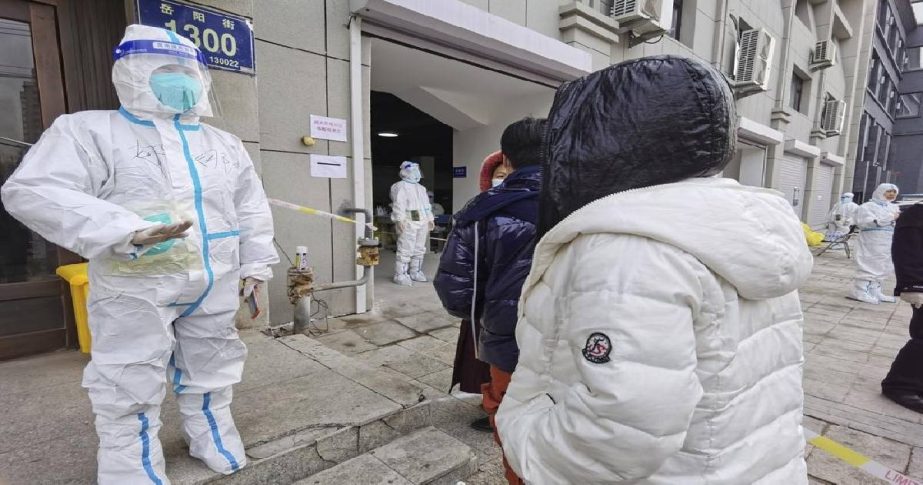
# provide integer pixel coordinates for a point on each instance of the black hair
(522, 142)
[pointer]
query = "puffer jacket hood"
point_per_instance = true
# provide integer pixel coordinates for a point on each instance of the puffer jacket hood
(763, 254)
(490, 164)
(643, 122)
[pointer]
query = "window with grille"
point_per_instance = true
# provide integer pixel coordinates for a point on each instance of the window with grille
(797, 91)
(602, 6)
(909, 105)
(873, 72)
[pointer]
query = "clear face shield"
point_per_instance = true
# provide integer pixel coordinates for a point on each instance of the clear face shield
(410, 171)
(166, 78)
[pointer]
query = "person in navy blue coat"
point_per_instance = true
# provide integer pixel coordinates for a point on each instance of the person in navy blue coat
(489, 254)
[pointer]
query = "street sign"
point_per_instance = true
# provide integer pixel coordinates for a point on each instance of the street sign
(226, 40)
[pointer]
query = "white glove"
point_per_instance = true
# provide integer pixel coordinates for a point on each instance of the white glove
(401, 226)
(432, 225)
(161, 233)
(249, 285)
(913, 297)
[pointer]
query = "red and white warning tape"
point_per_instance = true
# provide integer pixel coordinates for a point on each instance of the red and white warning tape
(858, 460)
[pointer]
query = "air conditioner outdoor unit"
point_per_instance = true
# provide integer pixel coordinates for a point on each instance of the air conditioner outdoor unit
(824, 55)
(834, 116)
(644, 18)
(753, 61)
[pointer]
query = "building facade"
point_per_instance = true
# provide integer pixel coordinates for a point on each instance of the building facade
(874, 144)
(904, 160)
(467, 68)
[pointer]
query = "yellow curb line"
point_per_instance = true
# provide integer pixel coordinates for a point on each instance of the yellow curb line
(858, 460)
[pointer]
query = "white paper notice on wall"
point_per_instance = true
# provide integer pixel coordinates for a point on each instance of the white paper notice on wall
(325, 166)
(324, 128)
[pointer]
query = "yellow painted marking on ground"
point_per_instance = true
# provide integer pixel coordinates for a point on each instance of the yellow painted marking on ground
(854, 458)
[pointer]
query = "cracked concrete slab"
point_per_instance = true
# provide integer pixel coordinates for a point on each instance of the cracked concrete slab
(340, 446)
(428, 456)
(447, 334)
(426, 322)
(386, 332)
(398, 389)
(346, 341)
(362, 470)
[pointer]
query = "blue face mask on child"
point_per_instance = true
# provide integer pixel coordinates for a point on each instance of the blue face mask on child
(176, 90)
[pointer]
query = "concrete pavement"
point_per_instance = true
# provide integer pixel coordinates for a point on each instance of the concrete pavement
(849, 347)
(337, 395)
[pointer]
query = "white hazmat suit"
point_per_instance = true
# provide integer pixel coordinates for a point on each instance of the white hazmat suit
(413, 217)
(841, 217)
(875, 219)
(92, 182)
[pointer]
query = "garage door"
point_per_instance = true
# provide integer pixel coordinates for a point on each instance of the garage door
(820, 199)
(792, 173)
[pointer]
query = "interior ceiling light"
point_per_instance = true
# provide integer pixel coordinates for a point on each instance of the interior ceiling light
(387, 134)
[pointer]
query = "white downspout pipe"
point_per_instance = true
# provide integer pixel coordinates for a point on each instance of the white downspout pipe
(718, 49)
(358, 142)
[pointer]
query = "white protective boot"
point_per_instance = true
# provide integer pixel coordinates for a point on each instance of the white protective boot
(875, 290)
(209, 430)
(400, 274)
(416, 269)
(862, 292)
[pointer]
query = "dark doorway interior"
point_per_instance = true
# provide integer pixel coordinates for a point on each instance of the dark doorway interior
(418, 135)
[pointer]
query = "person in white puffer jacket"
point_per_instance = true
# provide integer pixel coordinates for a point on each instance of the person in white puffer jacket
(660, 329)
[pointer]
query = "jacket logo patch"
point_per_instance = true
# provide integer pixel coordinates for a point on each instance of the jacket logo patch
(597, 348)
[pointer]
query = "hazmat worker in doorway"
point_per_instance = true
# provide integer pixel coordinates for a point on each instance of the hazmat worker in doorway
(173, 219)
(841, 218)
(413, 218)
(876, 219)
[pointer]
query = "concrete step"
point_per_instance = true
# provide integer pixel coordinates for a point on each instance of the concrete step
(425, 456)
(300, 408)
(331, 418)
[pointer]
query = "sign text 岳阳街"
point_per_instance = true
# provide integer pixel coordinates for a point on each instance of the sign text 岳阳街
(226, 40)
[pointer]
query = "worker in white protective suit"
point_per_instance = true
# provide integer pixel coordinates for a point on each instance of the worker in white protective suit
(172, 217)
(841, 217)
(413, 218)
(875, 219)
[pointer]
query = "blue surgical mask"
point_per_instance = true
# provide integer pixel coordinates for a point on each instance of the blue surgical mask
(176, 90)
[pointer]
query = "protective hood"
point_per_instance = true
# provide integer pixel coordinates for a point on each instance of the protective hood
(643, 122)
(747, 235)
(151, 58)
(410, 172)
(490, 164)
(846, 197)
(879, 194)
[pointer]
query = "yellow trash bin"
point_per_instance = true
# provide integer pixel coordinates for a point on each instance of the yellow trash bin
(76, 276)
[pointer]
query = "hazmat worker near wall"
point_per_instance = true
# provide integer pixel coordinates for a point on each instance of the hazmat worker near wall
(876, 219)
(659, 327)
(841, 217)
(413, 218)
(172, 217)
